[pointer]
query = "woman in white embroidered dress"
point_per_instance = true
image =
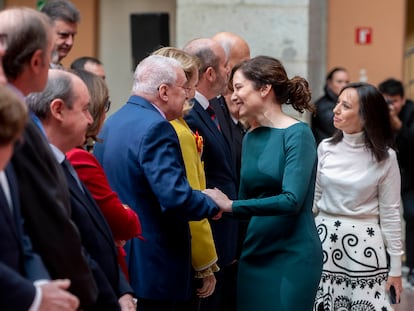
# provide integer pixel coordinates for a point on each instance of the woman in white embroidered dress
(357, 198)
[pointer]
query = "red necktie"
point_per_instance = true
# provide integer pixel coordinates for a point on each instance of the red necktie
(213, 117)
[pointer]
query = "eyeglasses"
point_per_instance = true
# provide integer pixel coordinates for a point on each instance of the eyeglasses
(185, 88)
(107, 105)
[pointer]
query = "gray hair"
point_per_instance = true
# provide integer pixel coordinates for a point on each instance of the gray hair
(153, 71)
(203, 49)
(59, 85)
(27, 31)
(61, 10)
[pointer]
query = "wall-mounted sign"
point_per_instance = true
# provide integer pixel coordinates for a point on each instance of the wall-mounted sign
(363, 35)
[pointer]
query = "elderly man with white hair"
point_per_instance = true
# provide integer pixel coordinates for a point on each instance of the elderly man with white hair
(141, 155)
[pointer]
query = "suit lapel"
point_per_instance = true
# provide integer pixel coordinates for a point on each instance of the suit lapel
(5, 210)
(223, 116)
(87, 201)
(205, 118)
(13, 218)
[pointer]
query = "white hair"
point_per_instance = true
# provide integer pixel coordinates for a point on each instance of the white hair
(153, 71)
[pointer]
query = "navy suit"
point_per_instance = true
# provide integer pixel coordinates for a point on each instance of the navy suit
(232, 132)
(220, 172)
(142, 158)
(19, 265)
(99, 243)
(45, 206)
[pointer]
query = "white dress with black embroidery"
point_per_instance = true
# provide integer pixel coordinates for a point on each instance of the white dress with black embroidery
(358, 200)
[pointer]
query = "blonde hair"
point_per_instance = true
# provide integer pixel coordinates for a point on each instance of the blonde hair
(190, 64)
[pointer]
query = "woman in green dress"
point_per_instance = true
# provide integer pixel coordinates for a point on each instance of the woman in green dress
(281, 261)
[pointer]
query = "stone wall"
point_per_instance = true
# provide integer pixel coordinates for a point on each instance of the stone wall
(278, 28)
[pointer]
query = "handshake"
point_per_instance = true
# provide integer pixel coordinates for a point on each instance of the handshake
(222, 201)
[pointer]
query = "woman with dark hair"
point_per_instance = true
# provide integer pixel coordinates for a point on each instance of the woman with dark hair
(281, 261)
(322, 124)
(357, 198)
(122, 220)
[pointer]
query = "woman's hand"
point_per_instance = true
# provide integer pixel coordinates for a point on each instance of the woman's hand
(222, 201)
(397, 283)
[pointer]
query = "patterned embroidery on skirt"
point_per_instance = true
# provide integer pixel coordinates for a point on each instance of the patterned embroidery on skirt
(355, 270)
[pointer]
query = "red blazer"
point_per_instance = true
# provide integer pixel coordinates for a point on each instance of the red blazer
(124, 222)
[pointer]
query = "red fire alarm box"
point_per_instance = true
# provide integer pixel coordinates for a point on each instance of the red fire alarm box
(363, 35)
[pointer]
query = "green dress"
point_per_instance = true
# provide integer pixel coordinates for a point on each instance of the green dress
(281, 261)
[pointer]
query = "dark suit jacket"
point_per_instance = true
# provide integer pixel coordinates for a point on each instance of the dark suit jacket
(99, 244)
(19, 265)
(322, 119)
(124, 223)
(220, 173)
(405, 151)
(232, 132)
(45, 206)
(142, 158)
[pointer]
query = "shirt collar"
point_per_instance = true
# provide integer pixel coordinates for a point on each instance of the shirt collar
(202, 100)
(159, 110)
(59, 155)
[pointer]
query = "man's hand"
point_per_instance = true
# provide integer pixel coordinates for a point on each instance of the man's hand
(209, 283)
(56, 297)
(127, 303)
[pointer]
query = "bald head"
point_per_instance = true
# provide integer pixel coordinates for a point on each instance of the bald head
(214, 70)
(207, 50)
(236, 47)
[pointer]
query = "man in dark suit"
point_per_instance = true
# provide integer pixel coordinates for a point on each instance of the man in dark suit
(237, 50)
(43, 189)
(218, 164)
(142, 158)
(24, 280)
(63, 108)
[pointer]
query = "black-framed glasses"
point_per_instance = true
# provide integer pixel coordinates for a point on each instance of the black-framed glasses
(107, 105)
